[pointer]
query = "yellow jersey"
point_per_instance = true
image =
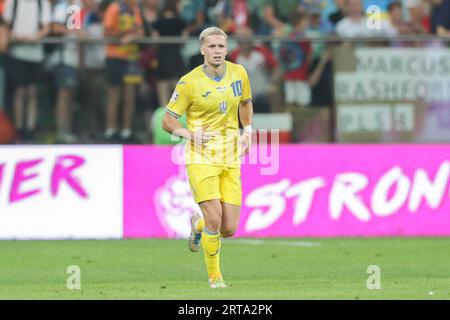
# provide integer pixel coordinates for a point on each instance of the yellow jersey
(213, 103)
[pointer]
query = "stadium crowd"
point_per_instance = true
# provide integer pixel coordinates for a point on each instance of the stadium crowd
(95, 93)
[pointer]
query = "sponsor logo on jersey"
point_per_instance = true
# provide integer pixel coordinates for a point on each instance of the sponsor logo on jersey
(206, 94)
(174, 96)
(221, 89)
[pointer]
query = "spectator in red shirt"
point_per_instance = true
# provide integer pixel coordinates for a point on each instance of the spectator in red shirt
(419, 20)
(295, 58)
(262, 68)
(232, 15)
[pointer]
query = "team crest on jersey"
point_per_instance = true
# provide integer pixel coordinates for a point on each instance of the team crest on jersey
(221, 89)
(174, 96)
(223, 107)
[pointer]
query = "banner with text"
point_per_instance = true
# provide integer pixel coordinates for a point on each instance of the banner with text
(393, 94)
(326, 190)
(60, 192)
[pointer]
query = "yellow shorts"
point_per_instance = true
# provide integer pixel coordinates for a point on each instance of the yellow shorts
(215, 182)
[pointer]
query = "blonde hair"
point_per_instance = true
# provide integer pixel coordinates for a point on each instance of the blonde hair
(211, 31)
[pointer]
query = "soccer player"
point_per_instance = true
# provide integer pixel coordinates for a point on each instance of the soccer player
(211, 95)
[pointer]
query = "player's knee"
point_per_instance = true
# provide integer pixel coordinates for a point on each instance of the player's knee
(213, 224)
(227, 232)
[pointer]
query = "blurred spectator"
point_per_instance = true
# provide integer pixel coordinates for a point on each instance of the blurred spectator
(232, 15)
(193, 13)
(276, 15)
(317, 19)
(161, 136)
(123, 20)
(149, 12)
(418, 16)
(256, 14)
(295, 58)
(4, 41)
(196, 60)
(316, 26)
(418, 23)
(321, 79)
(93, 85)
(63, 65)
(339, 14)
(434, 12)
(170, 62)
(320, 70)
(148, 98)
(441, 17)
(262, 69)
(414, 15)
(29, 22)
(394, 25)
(7, 132)
(149, 61)
(354, 23)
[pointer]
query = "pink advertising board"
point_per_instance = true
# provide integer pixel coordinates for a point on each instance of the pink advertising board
(61, 192)
(301, 191)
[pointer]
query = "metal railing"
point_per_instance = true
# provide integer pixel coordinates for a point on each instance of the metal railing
(321, 38)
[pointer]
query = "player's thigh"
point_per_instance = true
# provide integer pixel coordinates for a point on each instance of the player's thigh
(204, 181)
(205, 186)
(230, 186)
(231, 190)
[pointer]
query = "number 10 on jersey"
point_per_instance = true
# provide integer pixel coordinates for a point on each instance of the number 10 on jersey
(237, 88)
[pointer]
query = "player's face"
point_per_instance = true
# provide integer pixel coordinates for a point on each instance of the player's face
(214, 49)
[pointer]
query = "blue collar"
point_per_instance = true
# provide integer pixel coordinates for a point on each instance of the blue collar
(217, 78)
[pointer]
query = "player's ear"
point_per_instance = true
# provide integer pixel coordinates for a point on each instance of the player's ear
(202, 51)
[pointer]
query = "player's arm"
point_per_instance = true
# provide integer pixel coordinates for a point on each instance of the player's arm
(246, 105)
(177, 106)
(173, 126)
(246, 116)
(179, 102)
(246, 113)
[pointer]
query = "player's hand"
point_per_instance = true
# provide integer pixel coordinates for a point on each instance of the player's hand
(201, 136)
(246, 142)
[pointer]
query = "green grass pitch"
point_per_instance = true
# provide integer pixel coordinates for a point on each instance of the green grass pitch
(313, 268)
